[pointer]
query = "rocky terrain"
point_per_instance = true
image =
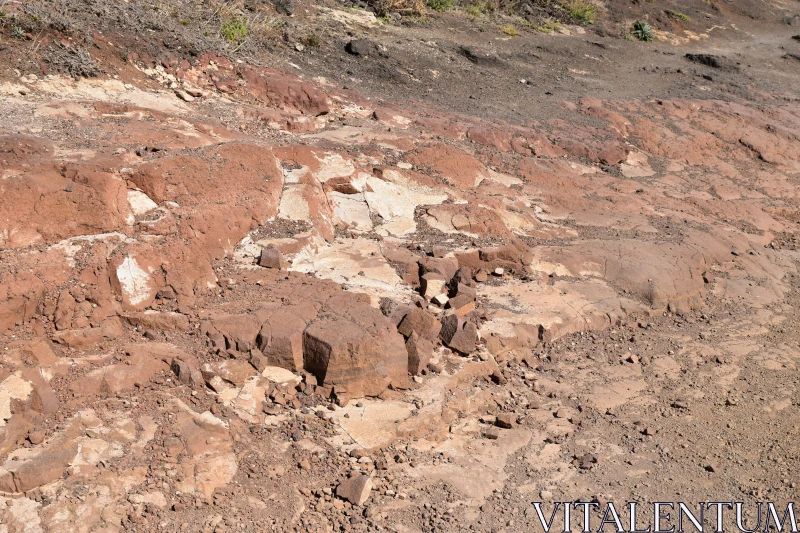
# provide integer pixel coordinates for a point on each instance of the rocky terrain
(393, 273)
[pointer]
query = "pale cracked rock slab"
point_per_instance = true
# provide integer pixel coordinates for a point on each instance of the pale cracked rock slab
(504, 179)
(140, 203)
(355, 263)
(134, 281)
(351, 210)
(20, 515)
(353, 135)
(478, 465)
(353, 18)
(12, 388)
(374, 425)
(636, 166)
(333, 165)
(294, 205)
(281, 376)
(559, 309)
(395, 199)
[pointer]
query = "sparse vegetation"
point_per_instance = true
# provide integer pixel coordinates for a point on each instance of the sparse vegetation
(549, 27)
(582, 11)
(678, 15)
(478, 9)
(234, 31)
(18, 33)
(642, 31)
(313, 41)
(412, 8)
(510, 29)
(440, 5)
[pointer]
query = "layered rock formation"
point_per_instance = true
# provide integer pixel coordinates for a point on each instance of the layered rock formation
(152, 254)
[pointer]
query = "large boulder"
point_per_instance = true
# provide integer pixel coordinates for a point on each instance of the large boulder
(281, 340)
(355, 349)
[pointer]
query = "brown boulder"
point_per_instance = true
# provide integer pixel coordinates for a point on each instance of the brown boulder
(420, 322)
(451, 323)
(355, 349)
(463, 276)
(462, 304)
(240, 331)
(356, 490)
(506, 420)
(20, 296)
(281, 340)
(158, 320)
(404, 262)
(187, 372)
(467, 290)
(419, 351)
(446, 266)
(143, 363)
(458, 336)
(42, 469)
(271, 257)
(65, 309)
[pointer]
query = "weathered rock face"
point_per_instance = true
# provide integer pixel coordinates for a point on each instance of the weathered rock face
(419, 351)
(281, 339)
(354, 348)
(420, 322)
(356, 489)
(453, 165)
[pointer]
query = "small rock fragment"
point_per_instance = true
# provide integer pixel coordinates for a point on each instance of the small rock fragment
(465, 340)
(505, 420)
(419, 353)
(432, 285)
(356, 490)
(36, 437)
(491, 433)
(462, 304)
(271, 257)
(441, 300)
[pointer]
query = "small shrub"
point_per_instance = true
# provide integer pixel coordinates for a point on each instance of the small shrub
(510, 29)
(642, 31)
(477, 9)
(548, 27)
(439, 5)
(184, 22)
(582, 12)
(407, 8)
(234, 31)
(18, 33)
(313, 41)
(678, 15)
